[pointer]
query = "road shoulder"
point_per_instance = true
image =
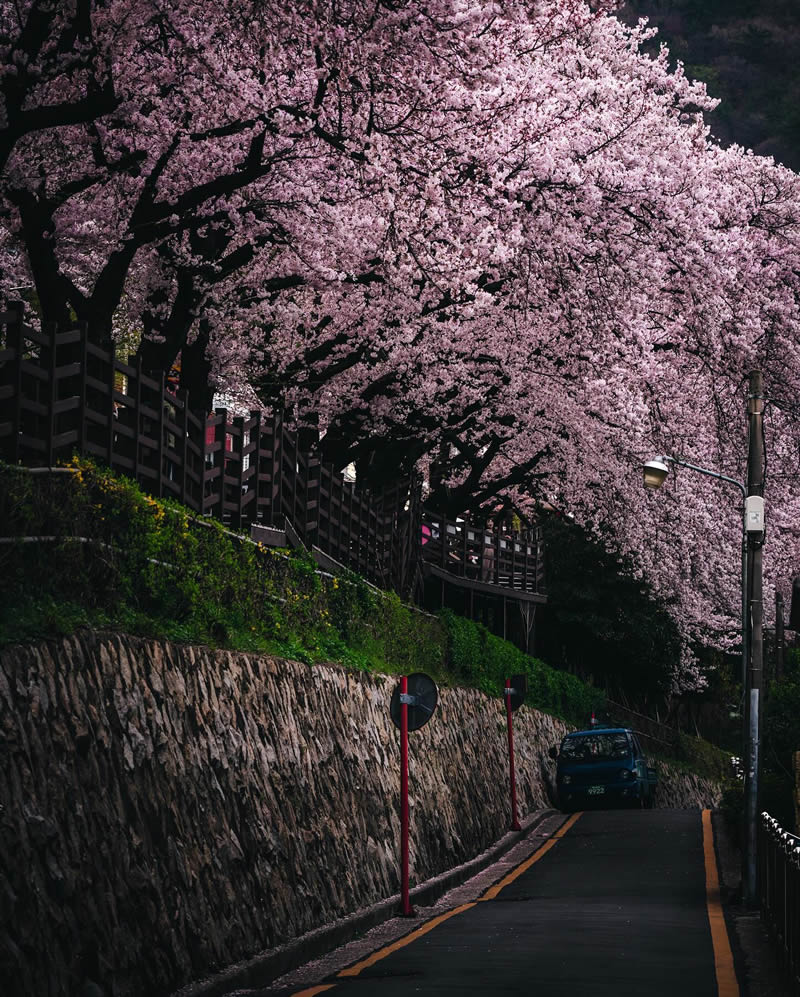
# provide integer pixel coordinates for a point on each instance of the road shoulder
(754, 956)
(322, 953)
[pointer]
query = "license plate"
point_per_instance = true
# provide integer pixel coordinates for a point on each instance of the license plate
(596, 790)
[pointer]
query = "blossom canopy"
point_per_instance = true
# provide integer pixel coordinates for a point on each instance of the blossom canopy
(497, 236)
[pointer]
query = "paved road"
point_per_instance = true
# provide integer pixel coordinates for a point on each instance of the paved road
(617, 904)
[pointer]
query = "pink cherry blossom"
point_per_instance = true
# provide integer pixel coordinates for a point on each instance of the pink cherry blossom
(495, 236)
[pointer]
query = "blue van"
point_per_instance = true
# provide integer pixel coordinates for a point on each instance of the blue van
(603, 766)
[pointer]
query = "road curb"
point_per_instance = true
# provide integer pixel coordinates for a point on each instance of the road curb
(267, 966)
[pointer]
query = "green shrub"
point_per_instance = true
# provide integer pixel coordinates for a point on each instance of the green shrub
(703, 757)
(477, 657)
(152, 568)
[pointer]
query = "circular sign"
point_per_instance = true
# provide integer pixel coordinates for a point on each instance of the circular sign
(421, 698)
(516, 694)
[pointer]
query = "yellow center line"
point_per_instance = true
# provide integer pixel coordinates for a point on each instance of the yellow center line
(492, 892)
(412, 936)
(727, 985)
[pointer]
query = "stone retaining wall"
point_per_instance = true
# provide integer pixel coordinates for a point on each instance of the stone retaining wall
(685, 790)
(166, 810)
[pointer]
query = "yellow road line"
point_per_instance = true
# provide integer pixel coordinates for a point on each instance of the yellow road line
(402, 942)
(412, 936)
(492, 892)
(727, 985)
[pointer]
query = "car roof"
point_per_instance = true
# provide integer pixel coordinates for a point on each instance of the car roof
(599, 730)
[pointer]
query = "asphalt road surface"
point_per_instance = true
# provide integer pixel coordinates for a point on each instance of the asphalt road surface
(620, 903)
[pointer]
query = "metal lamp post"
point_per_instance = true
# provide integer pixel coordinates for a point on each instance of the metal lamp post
(655, 473)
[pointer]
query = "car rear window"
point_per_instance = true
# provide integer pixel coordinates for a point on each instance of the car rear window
(595, 747)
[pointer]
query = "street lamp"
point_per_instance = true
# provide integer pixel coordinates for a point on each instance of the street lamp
(655, 473)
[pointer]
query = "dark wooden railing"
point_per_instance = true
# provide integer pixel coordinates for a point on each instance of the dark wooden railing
(496, 555)
(61, 394)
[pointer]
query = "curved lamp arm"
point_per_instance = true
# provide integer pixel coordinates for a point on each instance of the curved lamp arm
(658, 471)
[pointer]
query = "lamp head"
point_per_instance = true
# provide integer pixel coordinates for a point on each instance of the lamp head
(655, 472)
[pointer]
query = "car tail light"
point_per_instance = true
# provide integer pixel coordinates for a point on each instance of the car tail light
(626, 774)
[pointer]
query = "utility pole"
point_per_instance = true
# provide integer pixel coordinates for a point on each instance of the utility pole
(754, 527)
(752, 491)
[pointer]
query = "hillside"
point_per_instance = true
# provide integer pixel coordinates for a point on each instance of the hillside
(747, 52)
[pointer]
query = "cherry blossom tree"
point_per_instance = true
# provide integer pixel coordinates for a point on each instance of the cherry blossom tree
(494, 237)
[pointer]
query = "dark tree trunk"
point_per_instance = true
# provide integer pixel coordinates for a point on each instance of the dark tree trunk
(155, 357)
(194, 364)
(196, 374)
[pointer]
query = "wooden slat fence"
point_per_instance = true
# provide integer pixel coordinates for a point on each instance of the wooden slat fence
(61, 394)
(497, 555)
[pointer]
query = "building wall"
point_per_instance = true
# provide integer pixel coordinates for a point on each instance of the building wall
(166, 810)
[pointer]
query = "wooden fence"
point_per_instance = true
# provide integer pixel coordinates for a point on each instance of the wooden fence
(61, 394)
(498, 555)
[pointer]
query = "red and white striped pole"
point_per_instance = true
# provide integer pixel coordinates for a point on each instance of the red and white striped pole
(515, 825)
(405, 899)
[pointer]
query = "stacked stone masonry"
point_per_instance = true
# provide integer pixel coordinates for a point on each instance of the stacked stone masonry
(167, 810)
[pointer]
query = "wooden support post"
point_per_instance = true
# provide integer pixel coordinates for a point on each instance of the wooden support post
(255, 477)
(161, 430)
(238, 448)
(311, 501)
(183, 396)
(137, 420)
(83, 360)
(49, 330)
(278, 491)
(15, 342)
(512, 579)
(294, 485)
(526, 540)
(110, 410)
(221, 437)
